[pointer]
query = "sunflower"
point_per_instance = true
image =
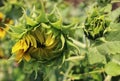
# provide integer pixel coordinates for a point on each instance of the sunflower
(3, 27)
(38, 45)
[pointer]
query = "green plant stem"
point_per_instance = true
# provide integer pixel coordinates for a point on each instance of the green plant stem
(97, 71)
(77, 76)
(66, 75)
(77, 43)
(86, 43)
(108, 78)
(75, 58)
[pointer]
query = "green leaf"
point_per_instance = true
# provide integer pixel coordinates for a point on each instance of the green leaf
(116, 58)
(114, 14)
(114, 34)
(112, 44)
(95, 57)
(111, 47)
(108, 8)
(112, 69)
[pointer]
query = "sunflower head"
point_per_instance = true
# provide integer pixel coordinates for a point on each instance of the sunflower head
(48, 46)
(3, 27)
(39, 45)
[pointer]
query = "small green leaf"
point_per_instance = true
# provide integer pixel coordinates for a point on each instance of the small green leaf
(116, 58)
(95, 57)
(114, 34)
(112, 69)
(42, 17)
(55, 18)
(114, 14)
(30, 21)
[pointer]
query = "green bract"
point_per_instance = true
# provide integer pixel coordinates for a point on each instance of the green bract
(96, 25)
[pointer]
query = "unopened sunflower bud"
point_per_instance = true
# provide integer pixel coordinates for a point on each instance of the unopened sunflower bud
(96, 25)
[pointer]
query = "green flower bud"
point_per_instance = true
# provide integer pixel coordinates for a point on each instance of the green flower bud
(96, 25)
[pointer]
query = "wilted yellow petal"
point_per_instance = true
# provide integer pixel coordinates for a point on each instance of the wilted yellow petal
(16, 47)
(49, 41)
(52, 45)
(11, 22)
(1, 15)
(27, 57)
(2, 33)
(19, 55)
(27, 40)
(25, 46)
(20, 45)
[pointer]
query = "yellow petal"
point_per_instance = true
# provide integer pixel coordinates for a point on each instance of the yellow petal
(19, 55)
(2, 33)
(27, 57)
(1, 15)
(52, 45)
(11, 22)
(27, 40)
(50, 40)
(20, 45)
(25, 46)
(16, 47)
